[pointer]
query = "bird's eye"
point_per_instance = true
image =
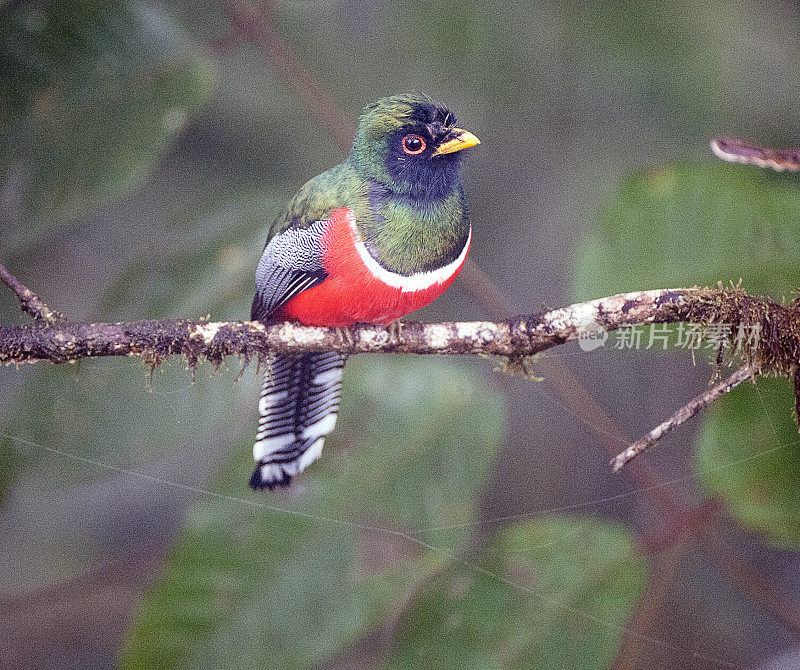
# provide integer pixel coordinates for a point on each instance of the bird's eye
(413, 144)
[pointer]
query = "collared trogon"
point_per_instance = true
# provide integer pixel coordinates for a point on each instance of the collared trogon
(381, 234)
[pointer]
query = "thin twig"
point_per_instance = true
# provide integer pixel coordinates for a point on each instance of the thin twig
(749, 153)
(796, 379)
(30, 302)
(680, 417)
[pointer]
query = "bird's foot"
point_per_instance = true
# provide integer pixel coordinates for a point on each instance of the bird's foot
(345, 336)
(396, 331)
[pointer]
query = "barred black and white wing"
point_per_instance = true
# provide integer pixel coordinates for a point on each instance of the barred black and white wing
(300, 397)
(291, 263)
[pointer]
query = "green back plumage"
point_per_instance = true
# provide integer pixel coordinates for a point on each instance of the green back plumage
(411, 221)
(338, 187)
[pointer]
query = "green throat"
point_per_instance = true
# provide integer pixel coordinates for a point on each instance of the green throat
(407, 236)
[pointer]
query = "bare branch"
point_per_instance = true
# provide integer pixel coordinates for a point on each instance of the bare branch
(30, 302)
(680, 417)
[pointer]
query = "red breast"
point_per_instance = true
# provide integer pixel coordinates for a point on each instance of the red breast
(357, 289)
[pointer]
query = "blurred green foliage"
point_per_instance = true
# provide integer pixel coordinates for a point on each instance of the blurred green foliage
(90, 94)
(667, 51)
(536, 585)
(747, 453)
(691, 225)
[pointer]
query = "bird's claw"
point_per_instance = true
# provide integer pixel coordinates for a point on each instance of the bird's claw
(396, 331)
(346, 336)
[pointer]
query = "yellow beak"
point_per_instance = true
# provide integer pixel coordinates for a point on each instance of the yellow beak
(464, 140)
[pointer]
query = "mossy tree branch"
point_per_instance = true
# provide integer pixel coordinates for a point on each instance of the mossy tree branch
(776, 350)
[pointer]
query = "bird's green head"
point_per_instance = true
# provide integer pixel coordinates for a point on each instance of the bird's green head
(411, 145)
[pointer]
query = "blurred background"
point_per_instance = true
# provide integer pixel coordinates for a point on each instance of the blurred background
(460, 518)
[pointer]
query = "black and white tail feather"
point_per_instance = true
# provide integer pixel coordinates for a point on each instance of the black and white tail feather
(300, 397)
(298, 407)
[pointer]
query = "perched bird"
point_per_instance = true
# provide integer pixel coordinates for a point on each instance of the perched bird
(383, 233)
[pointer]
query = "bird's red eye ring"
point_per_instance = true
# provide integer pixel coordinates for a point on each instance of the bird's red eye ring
(413, 144)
